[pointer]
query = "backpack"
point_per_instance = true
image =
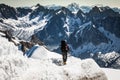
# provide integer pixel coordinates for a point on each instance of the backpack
(64, 46)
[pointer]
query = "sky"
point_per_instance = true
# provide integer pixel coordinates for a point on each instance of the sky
(25, 3)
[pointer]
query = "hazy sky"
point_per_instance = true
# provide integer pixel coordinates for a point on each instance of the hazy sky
(19, 3)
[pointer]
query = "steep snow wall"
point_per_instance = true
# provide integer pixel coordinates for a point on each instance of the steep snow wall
(12, 62)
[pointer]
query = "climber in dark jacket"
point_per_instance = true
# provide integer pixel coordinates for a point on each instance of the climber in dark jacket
(64, 50)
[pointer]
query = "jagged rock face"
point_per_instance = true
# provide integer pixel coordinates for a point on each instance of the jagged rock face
(100, 13)
(40, 12)
(7, 12)
(23, 11)
(81, 15)
(37, 12)
(112, 24)
(87, 34)
(53, 32)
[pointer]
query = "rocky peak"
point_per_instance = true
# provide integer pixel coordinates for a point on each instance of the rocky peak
(23, 11)
(74, 7)
(65, 11)
(95, 10)
(87, 34)
(8, 12)
(80, 14)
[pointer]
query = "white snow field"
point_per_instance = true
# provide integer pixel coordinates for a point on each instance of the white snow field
(46, 65)
(112, 74)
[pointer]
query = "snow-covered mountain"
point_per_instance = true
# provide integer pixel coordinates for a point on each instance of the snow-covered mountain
(108, 60)
(74, 8)
(87, 33)
(46, 65)
(116, 9)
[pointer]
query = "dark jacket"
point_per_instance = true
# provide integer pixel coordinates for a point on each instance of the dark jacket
(64, 46)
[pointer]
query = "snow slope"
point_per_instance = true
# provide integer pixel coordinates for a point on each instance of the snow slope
(50, 64)
(44, 65)
(12, 62)
(112, 74)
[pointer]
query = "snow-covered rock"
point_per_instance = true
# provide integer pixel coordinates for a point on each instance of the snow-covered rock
(111, 60)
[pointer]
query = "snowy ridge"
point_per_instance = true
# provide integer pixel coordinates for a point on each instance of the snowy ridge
(23, 28)
(44, 65)
(55, 7)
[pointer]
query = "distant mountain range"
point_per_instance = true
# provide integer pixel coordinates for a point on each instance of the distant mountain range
(87, 30)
